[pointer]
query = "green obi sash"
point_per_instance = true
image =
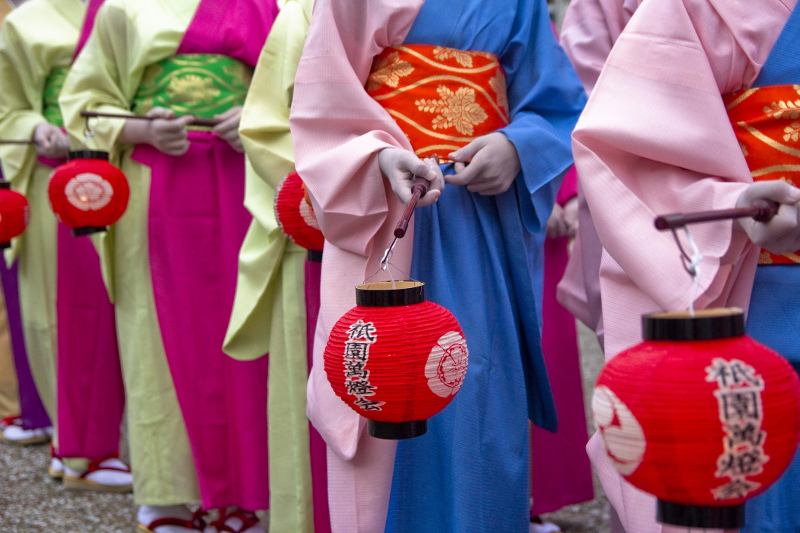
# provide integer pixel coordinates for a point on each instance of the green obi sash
(202, 85)
(52, 89)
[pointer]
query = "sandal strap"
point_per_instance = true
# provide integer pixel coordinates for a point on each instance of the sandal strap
(11, 421)
(195, 523)
(96, 465)
(248, 518)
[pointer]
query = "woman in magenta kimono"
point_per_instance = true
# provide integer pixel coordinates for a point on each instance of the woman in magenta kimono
(197, 418)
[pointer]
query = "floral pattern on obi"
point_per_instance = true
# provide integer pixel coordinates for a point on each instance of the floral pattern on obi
(442, 98)
(52, 89)
(202, 85)
(766, 122)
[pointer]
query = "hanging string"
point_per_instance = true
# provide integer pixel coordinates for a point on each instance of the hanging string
(694, 269)
(388, 268)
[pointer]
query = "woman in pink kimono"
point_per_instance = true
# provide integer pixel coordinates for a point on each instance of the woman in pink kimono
(637, 160)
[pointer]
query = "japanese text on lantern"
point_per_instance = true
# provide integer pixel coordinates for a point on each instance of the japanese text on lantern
(741, 414)
(356, 376)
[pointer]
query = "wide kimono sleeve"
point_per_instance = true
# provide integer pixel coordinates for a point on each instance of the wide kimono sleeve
(265, 134)
(589, 31)
(545, 100)
(99, 80)
(24, 66)
(655, 139)
(338, 128)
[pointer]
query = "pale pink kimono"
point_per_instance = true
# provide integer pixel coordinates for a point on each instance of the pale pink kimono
(357, 211)
(655, 138)
(589, 31)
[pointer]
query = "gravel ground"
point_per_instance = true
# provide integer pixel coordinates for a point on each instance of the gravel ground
(31, 502)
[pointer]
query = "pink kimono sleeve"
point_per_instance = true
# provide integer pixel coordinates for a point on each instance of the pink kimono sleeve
(338, 128)
(655, 138)
(589, 31)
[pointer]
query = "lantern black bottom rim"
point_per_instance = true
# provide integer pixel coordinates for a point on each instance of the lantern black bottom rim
(88, 230)
(700, 516)
(397, 430)
(314, 256)
(5, 245)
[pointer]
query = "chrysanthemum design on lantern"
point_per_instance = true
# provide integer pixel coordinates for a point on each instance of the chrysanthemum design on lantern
(89, 192)
(307, 212)
(296, 216)
(621, 434)
(396, 358)
(447, 364)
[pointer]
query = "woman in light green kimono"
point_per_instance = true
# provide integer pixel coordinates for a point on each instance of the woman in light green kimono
(193, 432)
(269, 313)
(37, 43)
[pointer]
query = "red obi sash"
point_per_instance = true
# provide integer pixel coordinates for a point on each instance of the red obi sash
(766, 121)
(441, 98)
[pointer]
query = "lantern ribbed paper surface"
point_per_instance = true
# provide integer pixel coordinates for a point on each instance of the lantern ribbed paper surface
(397, 361)
(13, 214)
(295, 214)
(88, 193)
(708, 419)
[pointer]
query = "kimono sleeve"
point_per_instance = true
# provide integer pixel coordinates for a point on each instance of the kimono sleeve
(545, 100)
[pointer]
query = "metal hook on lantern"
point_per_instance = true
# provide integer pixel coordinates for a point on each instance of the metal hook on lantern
(761, 210)
(418, 189)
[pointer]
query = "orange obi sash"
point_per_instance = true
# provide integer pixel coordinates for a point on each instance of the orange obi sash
(441, 98)
(766, 121)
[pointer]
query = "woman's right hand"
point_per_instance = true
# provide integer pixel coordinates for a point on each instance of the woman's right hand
(782, 233)
(50, 140)
(401, 167)
(167, 133)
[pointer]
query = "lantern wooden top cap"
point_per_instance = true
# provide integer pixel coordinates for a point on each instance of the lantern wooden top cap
(707, 324)
(388, 294)
(88, 154)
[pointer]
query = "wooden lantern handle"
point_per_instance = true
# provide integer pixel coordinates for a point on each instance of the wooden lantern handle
(15, 141)
(418, 189)
(761, 211)
(204, 122)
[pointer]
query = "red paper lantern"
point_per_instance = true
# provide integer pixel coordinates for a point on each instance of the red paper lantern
(396, 358)
(88, 193)
(14, 214)
(295, 214)
(699, 415)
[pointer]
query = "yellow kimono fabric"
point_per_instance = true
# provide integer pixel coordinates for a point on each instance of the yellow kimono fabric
(9, 395)
(269, 312)
(36, 38)
(128, 36)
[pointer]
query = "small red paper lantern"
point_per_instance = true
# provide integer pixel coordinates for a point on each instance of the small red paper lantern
(14, 214)
(295, 215)
(88, 193)
(699, 415)
(396, 358)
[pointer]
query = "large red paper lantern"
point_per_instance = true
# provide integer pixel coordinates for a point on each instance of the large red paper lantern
(14, 214)
(699, 415)
(88, 193)
(396, 358)
(295, 215)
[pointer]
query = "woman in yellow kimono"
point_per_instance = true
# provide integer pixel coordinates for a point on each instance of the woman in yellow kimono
(37, 43)
(269, 314)
(197, 420)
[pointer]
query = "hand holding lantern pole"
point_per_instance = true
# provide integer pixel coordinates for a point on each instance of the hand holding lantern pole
(418, 189)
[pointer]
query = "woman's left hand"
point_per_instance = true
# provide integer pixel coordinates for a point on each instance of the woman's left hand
(493, 165)
(228, 128)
